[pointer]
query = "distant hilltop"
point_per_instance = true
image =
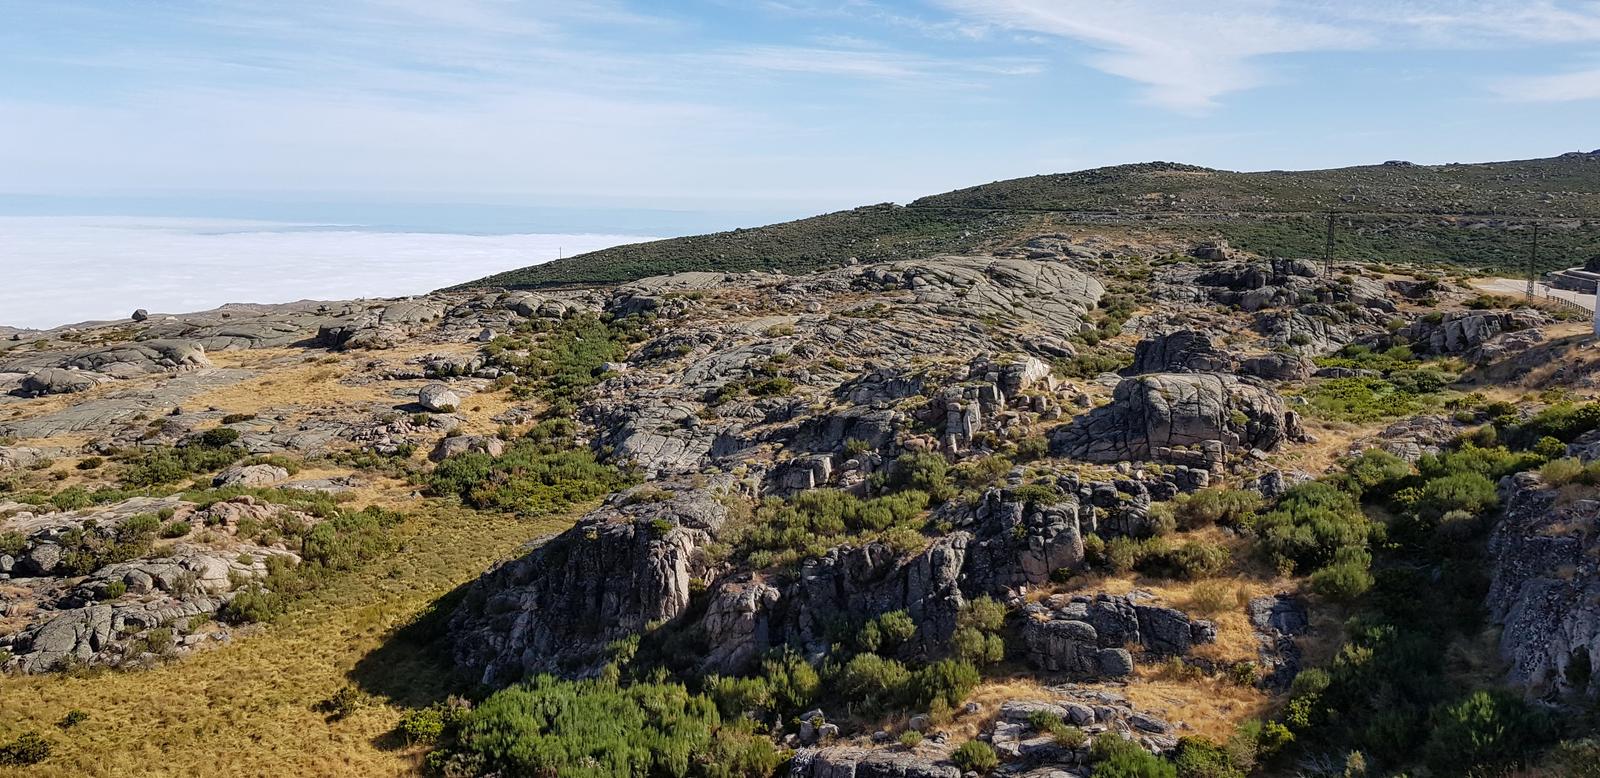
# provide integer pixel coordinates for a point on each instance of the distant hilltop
(1467, 213)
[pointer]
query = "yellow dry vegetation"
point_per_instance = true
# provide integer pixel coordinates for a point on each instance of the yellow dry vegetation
(1210, 707)
(246, 709)
(305, 386)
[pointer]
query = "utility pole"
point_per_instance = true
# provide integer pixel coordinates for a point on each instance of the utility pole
(1533, 261)
(1327, 251)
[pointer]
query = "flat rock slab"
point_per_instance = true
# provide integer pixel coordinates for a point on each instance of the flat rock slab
(122, 406)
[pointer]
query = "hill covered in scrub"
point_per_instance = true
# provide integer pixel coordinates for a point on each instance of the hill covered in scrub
(1476, 215)
(1106, 502)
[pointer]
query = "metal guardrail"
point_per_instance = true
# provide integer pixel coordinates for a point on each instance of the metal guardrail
(1562, 302)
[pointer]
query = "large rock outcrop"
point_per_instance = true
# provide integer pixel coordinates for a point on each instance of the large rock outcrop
(1192, 419)
(1545, 588)
(1088, 636)
(1466, 331)
(622, 567)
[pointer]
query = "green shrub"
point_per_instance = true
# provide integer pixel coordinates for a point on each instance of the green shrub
(531, 478)
(886, 632)
(1376, 472)
(1094, 551)
(983, 613)
(589, 729)
(1030, 449)
(29, 748)
(12, 543)
(973, 645)
(1486, 729)
(91, 463)
(1559, 472)
(910, 738)
(252, 604)
(1467, 491)
(113, 590)
(879, 684)
(1311, 523)
(428, 725)
(1191, 561)
(73, 718)
(1232, 507)
(1116, 757)
(925, 472)
(1200, 758)
(1122, 554)
(218, 437)
(165, 464)
(1346, 579)
(72, 498)
(947, 679)
(975, 756)
(236, 418)
(175, 529)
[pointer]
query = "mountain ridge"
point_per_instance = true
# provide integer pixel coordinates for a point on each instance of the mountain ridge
(1477, 212)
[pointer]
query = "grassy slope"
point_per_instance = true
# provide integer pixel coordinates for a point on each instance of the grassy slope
(1408, 215)
(246, 709)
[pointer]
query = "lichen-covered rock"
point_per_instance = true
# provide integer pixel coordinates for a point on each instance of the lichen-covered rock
(1544, 588)
(1183, 351)
(250, 475)
(1192, 419)
(1083, 635)
(57, 380)
(927, 761)
(1465, 331)
(462, 444)
(626, 565)
(438, 398)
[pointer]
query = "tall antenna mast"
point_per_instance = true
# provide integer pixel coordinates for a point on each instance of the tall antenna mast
(1327, 250)
(1533, 261)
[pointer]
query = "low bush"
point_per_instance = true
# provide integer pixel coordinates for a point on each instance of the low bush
(531, 478)
(1231, 507)
(1311, 524)
(1346, 579)
(1116, 757)
(1201, 758)
(885, 633)
(1190, 561)
(975, 756)
(29, 748)
(589, 729)
(166, 464)
(1486, 729)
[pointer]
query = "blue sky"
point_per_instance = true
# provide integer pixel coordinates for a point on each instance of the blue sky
(752, 109)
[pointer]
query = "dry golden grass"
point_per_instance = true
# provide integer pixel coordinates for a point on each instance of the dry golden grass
(246, 709)
(1210, 707)
(303, 386)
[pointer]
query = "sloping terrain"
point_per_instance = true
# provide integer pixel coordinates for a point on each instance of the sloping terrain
(1095, 503)
(1470, 214)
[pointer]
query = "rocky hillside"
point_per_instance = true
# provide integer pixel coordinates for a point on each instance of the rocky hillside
(1468, 214)
(1094, 502)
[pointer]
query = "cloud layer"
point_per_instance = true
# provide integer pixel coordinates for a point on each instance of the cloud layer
(65, 269)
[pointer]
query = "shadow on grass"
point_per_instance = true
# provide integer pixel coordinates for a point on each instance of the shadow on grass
(413, 668)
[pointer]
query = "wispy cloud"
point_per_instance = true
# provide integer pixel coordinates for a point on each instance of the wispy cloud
(867, 62)
(1188, 55)
(1555, 88)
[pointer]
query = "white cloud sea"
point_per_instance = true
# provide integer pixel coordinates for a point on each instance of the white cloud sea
(61, 270)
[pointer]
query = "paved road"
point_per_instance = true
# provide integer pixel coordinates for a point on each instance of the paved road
(1518, 288)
